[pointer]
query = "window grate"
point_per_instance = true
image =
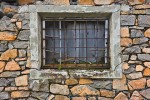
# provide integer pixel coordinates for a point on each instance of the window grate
(75, 43)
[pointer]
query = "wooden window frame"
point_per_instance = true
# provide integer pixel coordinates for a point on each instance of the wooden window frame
(37, 12)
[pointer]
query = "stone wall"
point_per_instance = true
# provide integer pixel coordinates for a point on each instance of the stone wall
(15, 56)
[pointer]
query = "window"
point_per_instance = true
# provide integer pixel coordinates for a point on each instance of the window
(75, 43)
(73, 2)
(85, 37)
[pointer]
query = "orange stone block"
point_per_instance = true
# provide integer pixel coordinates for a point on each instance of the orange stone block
(147, 64)
(21, 80)
(20, 94)
(139, 68)
(125, 66)
(85, 81)
(121, 96)
(137, 84)
(19, 25)
(136, 96)
(125, 32)
(144, 6)
(120, 84)
(11, 53)
(146, 50)
(10, 88)
(60, 97)
(148, 83)
(126, 41)
(71, 81)
(7, 36)
(23, 2)
(2, 65)
(134, 2)
(25, 71)
(23, 88)
(147, 33)
(146, 72)
(86, 2)
(83, 90)
(57, 2)
(101, 2)
(12, 66)
(78, 98)
(107, 93)
(9, 9)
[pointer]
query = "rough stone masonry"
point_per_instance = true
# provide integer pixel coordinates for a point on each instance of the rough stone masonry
(15, 61)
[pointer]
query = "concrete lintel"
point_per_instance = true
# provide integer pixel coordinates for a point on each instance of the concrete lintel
(73, 9)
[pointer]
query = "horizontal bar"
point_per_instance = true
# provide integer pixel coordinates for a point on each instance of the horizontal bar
(54, 29)
(74, 38)
(78, 47)
(77, 65)
(78, 58)
(73, 19)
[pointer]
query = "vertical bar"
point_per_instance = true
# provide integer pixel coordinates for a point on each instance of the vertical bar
(95, 55)
(77, 42)
(64, 23)
(97, 41)
(54, 39)
(60, 40)
(43, 44)
(106, 41)
(86, 41)
(75, 45)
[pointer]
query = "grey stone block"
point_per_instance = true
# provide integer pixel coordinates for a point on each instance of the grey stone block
(10, 74)
(24, 35)
(30, 98)
(59, 89)
(39, 85)
(129, 70)
(1, 89)
(4, 95)
(20, 44)
(128, 19)
(102, 84)
(147, 11)
(22, 53)
(25, 24)
(131, 50)
(136, 33)
(140, 40)
(23, 9)
(125, 57)
(147, 1)
(1, 13)
(21, 17)
(5, 24)
(4, 82)
(144, 57)
(3, 46)
(40, 95)
(144, 20)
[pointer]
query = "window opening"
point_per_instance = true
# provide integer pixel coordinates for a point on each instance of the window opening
(73, 2)
(75, 43)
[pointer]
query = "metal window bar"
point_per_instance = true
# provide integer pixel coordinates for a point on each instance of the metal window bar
(79, 59)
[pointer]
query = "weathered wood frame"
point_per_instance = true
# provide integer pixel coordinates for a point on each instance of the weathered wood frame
(107, 11)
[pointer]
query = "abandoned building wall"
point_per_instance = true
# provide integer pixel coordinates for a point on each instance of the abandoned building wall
(15, 64)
